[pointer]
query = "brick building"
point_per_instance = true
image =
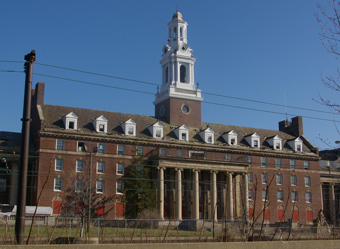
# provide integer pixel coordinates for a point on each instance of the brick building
(201, 170)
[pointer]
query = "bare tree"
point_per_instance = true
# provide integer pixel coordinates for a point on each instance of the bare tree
(80, 198)
(329, 19)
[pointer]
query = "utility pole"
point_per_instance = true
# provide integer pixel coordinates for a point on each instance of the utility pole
(25, 133)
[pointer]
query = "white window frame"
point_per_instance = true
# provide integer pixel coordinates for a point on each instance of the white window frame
(100, 167)
(250, 177)
(279, 179)
(307, 181)
(308, 197)
(306, 165)
(293, 180)
(280, 196)
(264, 162)
(120, 169)
(56, 167)
(139, 151)
(60, 144)
(119, 188)
(81, 146)
(278, 163)
(292, 164)
(100, 187)
(101, 148)
(121, 149)
(79, 186)
(80, 166)
(294, 196)
(58, 184)
(265, 195)
(264, 178)
(250, 194)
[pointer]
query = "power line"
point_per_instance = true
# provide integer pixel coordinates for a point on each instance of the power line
(213, 103)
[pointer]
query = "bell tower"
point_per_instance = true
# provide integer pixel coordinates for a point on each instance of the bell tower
(178, 101)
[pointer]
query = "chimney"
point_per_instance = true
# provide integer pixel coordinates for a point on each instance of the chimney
(294, 127)
(38, 94)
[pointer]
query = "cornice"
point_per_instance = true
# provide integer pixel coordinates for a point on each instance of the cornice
(112, 138)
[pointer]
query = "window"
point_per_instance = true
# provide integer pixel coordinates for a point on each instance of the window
(294, 196)
(100, 186)
(307, 181)
(278, 163)
(60, 144)
(158, 133)
(292, 164)
(80, 166)
(264, 195)
(308, 197)
(250, 160)
(79, 186)
(256, 143)
(183, 74)
(250, 177)
(279, 179)
(119, 187)
(101, 148)
(71, 125)
(131, 130)
(250, 194)
(58, 184)
(233, 141)
(180, 153)
(2, 185)
(121, 149)
(278, 145)
(299, 147)
(59, 164)
(162, 151)
(100, 167)
(81, 146)
(280, 196)
(264, 178)
(263, 162)
(102, 127)
(120, 168)
(228, 157)
(306, 165)
(140, 151)
(293, 180)
(184, 136)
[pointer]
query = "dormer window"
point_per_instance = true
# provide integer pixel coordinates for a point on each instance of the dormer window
(296, 144)
(207, 135)
(182, 133)
(100, 124)
(70, 121)
(253, 140)
(230, 137)
(275, 142)
(129, 127)
(156, 130)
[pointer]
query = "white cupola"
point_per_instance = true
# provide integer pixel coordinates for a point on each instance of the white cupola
(178, 64)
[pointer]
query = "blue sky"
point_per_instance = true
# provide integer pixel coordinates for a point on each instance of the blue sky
(259, 50)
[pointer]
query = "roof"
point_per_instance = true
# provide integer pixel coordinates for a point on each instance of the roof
(52, 119)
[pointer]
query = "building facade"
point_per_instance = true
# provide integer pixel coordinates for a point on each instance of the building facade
(200, 170)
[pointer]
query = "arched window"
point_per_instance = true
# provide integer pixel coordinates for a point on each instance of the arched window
(175, 33)
(183, 74)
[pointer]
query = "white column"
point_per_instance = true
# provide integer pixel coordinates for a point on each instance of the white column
(321, 196)
(172, 72)
(230, 196)
(161, 191)
(196, 196)
(213, 195)
(332, 201)
(238, 196)
(245, 197)
(178, 208)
